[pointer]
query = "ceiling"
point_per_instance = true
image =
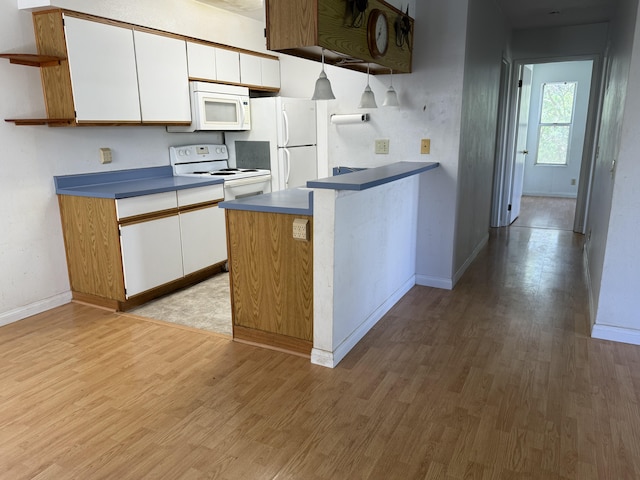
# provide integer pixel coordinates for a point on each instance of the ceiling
(520, 13)
(249, 8)
(554, 13)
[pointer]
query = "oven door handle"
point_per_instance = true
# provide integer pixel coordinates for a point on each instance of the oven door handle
(287, 166)
(246, 181)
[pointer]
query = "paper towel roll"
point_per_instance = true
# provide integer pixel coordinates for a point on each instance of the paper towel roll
(345, 118)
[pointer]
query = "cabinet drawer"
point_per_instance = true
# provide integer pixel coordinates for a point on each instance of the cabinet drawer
(128, 207)
(191, 196)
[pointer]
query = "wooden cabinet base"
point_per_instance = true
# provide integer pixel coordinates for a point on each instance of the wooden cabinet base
(137, 300)
(273, 341)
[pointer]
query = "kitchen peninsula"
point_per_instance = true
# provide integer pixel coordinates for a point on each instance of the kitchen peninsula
(319, 295)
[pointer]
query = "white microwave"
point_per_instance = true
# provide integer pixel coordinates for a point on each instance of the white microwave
(217, 107)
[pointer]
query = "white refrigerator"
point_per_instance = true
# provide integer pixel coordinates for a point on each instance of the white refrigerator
(282, 138)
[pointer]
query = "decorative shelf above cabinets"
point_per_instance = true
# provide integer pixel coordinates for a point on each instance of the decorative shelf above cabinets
(380, 35)
(32, 59)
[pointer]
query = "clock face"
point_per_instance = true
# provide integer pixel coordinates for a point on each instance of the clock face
(378, 33)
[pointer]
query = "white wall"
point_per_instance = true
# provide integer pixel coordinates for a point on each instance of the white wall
(364, 261)
(485, 44)
(615, 224)
(33, 272)
(543, 43)
(554, 180)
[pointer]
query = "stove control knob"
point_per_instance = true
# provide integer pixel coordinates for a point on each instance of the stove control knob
(187, 152)
(181, 152)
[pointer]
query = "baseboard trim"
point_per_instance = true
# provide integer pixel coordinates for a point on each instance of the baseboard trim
(34, 308)
(435, 282)
(331, 359)
(616, 334)
(587, 279)
(470, 259)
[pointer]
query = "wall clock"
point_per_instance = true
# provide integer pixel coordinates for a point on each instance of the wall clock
(377, 33)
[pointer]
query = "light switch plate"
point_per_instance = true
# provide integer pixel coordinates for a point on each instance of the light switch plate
(382, 146)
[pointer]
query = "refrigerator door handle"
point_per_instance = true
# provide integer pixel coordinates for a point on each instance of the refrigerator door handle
(285, 119)
(287, 166)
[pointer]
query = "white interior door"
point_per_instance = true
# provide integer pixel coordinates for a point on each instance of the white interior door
(520, 153)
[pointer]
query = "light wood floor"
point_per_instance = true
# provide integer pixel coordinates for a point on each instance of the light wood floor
(546, 212)
(497, 379)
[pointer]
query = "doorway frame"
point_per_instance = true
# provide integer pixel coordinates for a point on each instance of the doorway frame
(505, 159)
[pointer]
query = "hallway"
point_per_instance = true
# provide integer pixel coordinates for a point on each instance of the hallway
(497, 379)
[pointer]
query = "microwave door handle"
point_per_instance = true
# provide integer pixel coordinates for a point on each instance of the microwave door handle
(287, 164)
(241, 108)
(285, 119)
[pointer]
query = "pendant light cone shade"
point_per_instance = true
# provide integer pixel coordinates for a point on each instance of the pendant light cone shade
(391, 97)
(368, 99)
(323, 89)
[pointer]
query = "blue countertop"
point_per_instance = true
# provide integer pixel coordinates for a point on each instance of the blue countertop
(299, 201)
(372, 177)
(127, 183)
(295, 201)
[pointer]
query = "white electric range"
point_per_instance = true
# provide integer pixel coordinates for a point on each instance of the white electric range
(213, 160)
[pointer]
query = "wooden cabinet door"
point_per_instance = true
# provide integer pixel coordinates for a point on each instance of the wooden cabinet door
(103, 71)
(151, 253)
(163, 78)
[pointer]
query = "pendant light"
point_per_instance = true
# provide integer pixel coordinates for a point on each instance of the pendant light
(391, 97)
(323, 86)
(368, 99)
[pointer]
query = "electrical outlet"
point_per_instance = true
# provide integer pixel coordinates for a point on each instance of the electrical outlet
(105, 155)
(301, 229)
(425, 146)
(573, 181)
(382, 146)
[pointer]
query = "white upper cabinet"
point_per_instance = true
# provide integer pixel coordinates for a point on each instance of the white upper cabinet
(270, 72)
(102, 65)
(163, 78)
(250, 69)
(227, 65)
(202, 61)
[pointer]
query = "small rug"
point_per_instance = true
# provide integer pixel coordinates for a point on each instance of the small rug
(206, 305)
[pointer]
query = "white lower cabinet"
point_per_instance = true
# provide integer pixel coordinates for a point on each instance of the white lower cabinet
(204, 240)
(151, 254)
(166, 236)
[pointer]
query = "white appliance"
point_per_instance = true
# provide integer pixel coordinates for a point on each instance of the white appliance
(217, 107)
(283, 138)
(209, 160)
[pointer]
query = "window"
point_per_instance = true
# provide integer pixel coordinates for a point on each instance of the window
(556, 117)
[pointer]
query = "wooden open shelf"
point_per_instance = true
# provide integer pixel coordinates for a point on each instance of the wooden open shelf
(32, 59)
(41, 121)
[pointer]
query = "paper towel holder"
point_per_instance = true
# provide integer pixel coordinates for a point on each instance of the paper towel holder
(346, 118)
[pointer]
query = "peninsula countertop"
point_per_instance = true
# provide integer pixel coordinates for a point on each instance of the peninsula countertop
(372, 177)
(128, 183)
(299, 201)
(295, 201)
